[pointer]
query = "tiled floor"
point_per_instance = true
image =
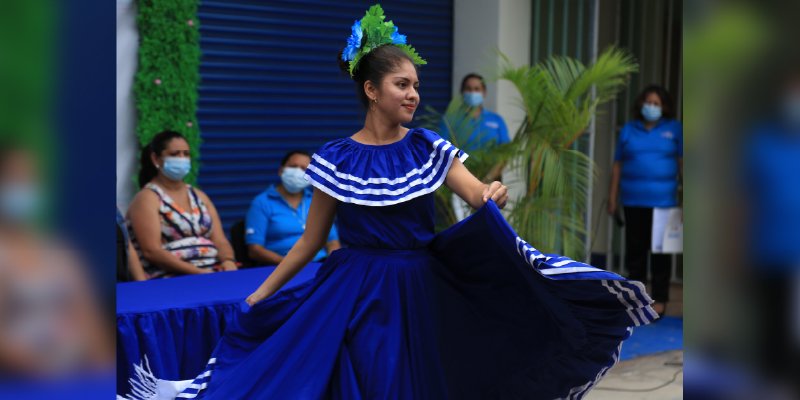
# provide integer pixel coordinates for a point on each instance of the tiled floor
(654, 377)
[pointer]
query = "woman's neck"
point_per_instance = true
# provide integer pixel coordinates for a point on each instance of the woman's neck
(290, 197)
(168, 184)
(379, 131)
(649, 125)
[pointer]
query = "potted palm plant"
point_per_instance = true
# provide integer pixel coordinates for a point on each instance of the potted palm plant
(559, 97)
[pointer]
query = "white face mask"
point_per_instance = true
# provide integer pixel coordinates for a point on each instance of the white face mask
(293, 180)
(176, 168)
(651, 112)
(473, 99)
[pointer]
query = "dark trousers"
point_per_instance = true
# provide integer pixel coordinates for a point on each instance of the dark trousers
(638, 232)
(777, 346)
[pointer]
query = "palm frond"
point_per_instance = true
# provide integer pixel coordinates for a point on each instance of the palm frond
(608, 75)
(559, 97)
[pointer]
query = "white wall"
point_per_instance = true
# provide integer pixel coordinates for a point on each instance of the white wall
(515, 43)
(475, 38)
(481, 29)
(127, 147)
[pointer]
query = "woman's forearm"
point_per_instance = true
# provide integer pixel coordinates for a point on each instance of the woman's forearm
(332, 246)
(135, 265)
(169, 262)
(613, 189)
(225, 251)
(301, 254)
(320, 220)
(476, 197)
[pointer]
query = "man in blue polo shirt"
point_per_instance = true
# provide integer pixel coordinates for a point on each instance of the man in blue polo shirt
(485, 127)
(277, 216)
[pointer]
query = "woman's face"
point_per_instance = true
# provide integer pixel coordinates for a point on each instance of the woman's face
(296, 161)
(398, 94)
(175, 148)
(473, 85)
(653, 99)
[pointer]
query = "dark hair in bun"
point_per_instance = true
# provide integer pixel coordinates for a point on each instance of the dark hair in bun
(374, 66)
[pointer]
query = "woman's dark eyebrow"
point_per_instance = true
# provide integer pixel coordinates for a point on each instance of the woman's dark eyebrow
(405, 79)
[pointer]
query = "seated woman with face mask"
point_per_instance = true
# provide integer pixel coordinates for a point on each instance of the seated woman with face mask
(174, 226)
(277, 216)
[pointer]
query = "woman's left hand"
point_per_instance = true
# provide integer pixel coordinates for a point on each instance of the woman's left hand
(497, 192)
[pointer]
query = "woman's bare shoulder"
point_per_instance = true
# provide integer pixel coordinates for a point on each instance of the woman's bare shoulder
(145, 199)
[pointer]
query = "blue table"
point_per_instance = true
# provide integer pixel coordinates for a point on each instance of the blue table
(177, 322)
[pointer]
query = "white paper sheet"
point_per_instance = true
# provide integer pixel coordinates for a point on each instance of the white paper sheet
(667, 235)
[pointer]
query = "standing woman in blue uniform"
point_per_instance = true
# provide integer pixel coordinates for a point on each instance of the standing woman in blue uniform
(647, 165)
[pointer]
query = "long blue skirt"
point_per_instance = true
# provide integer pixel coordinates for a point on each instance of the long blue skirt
(479, 314)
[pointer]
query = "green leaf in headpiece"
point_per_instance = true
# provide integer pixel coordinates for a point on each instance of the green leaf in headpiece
(415, 57)
(378, 33)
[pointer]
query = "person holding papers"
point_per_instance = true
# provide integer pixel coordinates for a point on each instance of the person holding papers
(647, 166)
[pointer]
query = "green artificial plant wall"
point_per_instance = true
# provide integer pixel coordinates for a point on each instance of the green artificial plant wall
(168, 72)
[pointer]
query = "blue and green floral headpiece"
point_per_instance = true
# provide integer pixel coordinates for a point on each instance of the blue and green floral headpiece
(370, 33)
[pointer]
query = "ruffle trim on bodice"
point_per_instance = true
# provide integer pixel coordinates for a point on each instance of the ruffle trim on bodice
(385, 175)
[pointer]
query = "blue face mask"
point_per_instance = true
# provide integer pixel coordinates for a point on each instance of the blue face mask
(292, 179)
(176, 168)
(651, 112)
(473, 99)
(20, 202)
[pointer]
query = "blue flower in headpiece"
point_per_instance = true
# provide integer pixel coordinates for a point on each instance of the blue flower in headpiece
(353, 42)
(397, 38)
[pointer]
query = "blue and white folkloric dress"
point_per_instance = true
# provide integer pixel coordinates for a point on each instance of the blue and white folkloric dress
(403, 313)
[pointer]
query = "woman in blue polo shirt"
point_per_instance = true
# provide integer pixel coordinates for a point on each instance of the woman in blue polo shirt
(277, 216)
(647, 166)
